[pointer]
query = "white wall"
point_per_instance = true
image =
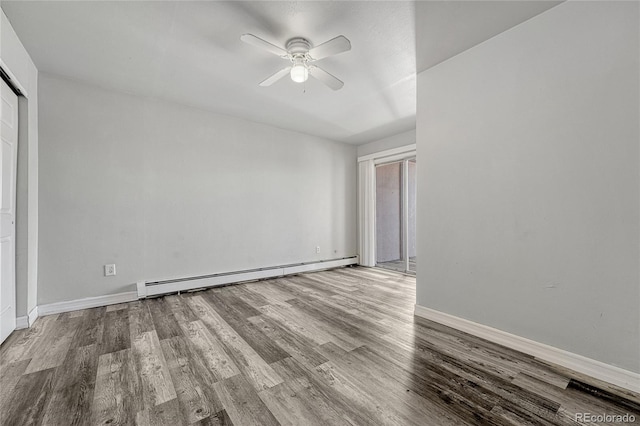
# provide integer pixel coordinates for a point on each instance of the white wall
(17, 63)
(528, 193)
(395, 141)
(166, 191)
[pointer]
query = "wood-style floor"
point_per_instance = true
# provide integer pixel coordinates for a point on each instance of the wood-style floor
(333, 347)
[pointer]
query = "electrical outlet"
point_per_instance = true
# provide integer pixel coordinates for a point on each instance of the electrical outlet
(317, 249)
(109, 270)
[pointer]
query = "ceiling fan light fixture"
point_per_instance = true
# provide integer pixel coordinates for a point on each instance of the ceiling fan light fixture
(302, 56)
(299, 72)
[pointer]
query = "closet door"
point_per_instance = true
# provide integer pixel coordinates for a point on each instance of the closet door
(8, 161)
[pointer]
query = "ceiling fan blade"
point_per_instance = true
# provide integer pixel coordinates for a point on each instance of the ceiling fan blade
(275, 77)
(258, 42)
(326, 78)
(332, 47)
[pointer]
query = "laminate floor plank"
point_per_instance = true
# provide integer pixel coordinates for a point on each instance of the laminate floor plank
(90, 329)
(335, 310)
(336, 347)
(502, 367)
(140, 321)
(164, 414)
(296, 322)
(9, 376)
(231, 308)
(29, 399)
(434, 380)
(118, 391)
(192, 380)
(490, 353)
(408, 405)
(13, 343)
(465, 366)
(116, 335)
(181, 311)
(74, 386)
(164, 320)
(117, 307)
(571, 402)
(30, 341)
(308, 287)
(271, 293)
(298, 346)
(54, 347)
(256, 370)
(360, 395)
(427, 376)
(210, 350)
(232, 304)
(242, 403)
(292, 403)
(157, 386)
(324, 312)
(253, 298)
(350, 410)
(344, 334)
(220, 418)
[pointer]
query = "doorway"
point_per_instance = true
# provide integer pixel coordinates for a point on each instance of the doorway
(395, 208)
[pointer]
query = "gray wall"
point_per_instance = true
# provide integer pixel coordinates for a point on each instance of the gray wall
(165, 191)
(528, 197)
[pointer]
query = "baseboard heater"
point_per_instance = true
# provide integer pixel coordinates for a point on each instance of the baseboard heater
(156, 288)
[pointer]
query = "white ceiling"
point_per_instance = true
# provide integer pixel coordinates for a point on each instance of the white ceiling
(191, 53)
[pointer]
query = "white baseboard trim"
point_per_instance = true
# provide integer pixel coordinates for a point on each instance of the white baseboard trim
(596, 369)
(33, 316)
(22, 322)
(147, 289)
(87, 302)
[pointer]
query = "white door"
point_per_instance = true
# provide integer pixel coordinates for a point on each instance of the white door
(8, 161)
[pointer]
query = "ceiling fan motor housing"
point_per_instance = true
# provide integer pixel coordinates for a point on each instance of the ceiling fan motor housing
(298, 46)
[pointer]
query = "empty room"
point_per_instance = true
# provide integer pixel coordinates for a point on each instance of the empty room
(320, 213)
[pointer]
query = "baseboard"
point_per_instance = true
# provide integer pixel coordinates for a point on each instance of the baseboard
(33, 316)
(22, 322)
(596, 369)
(27, 321)
(147, 289)
(169, 287)
(87, 302)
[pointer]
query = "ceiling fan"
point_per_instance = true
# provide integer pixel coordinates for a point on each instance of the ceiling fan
(302, 57)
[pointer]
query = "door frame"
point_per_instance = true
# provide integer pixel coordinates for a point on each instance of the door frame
(367, 198)
(403, 160)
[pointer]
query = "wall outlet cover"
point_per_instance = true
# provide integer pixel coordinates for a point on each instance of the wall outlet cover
(109, 270)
